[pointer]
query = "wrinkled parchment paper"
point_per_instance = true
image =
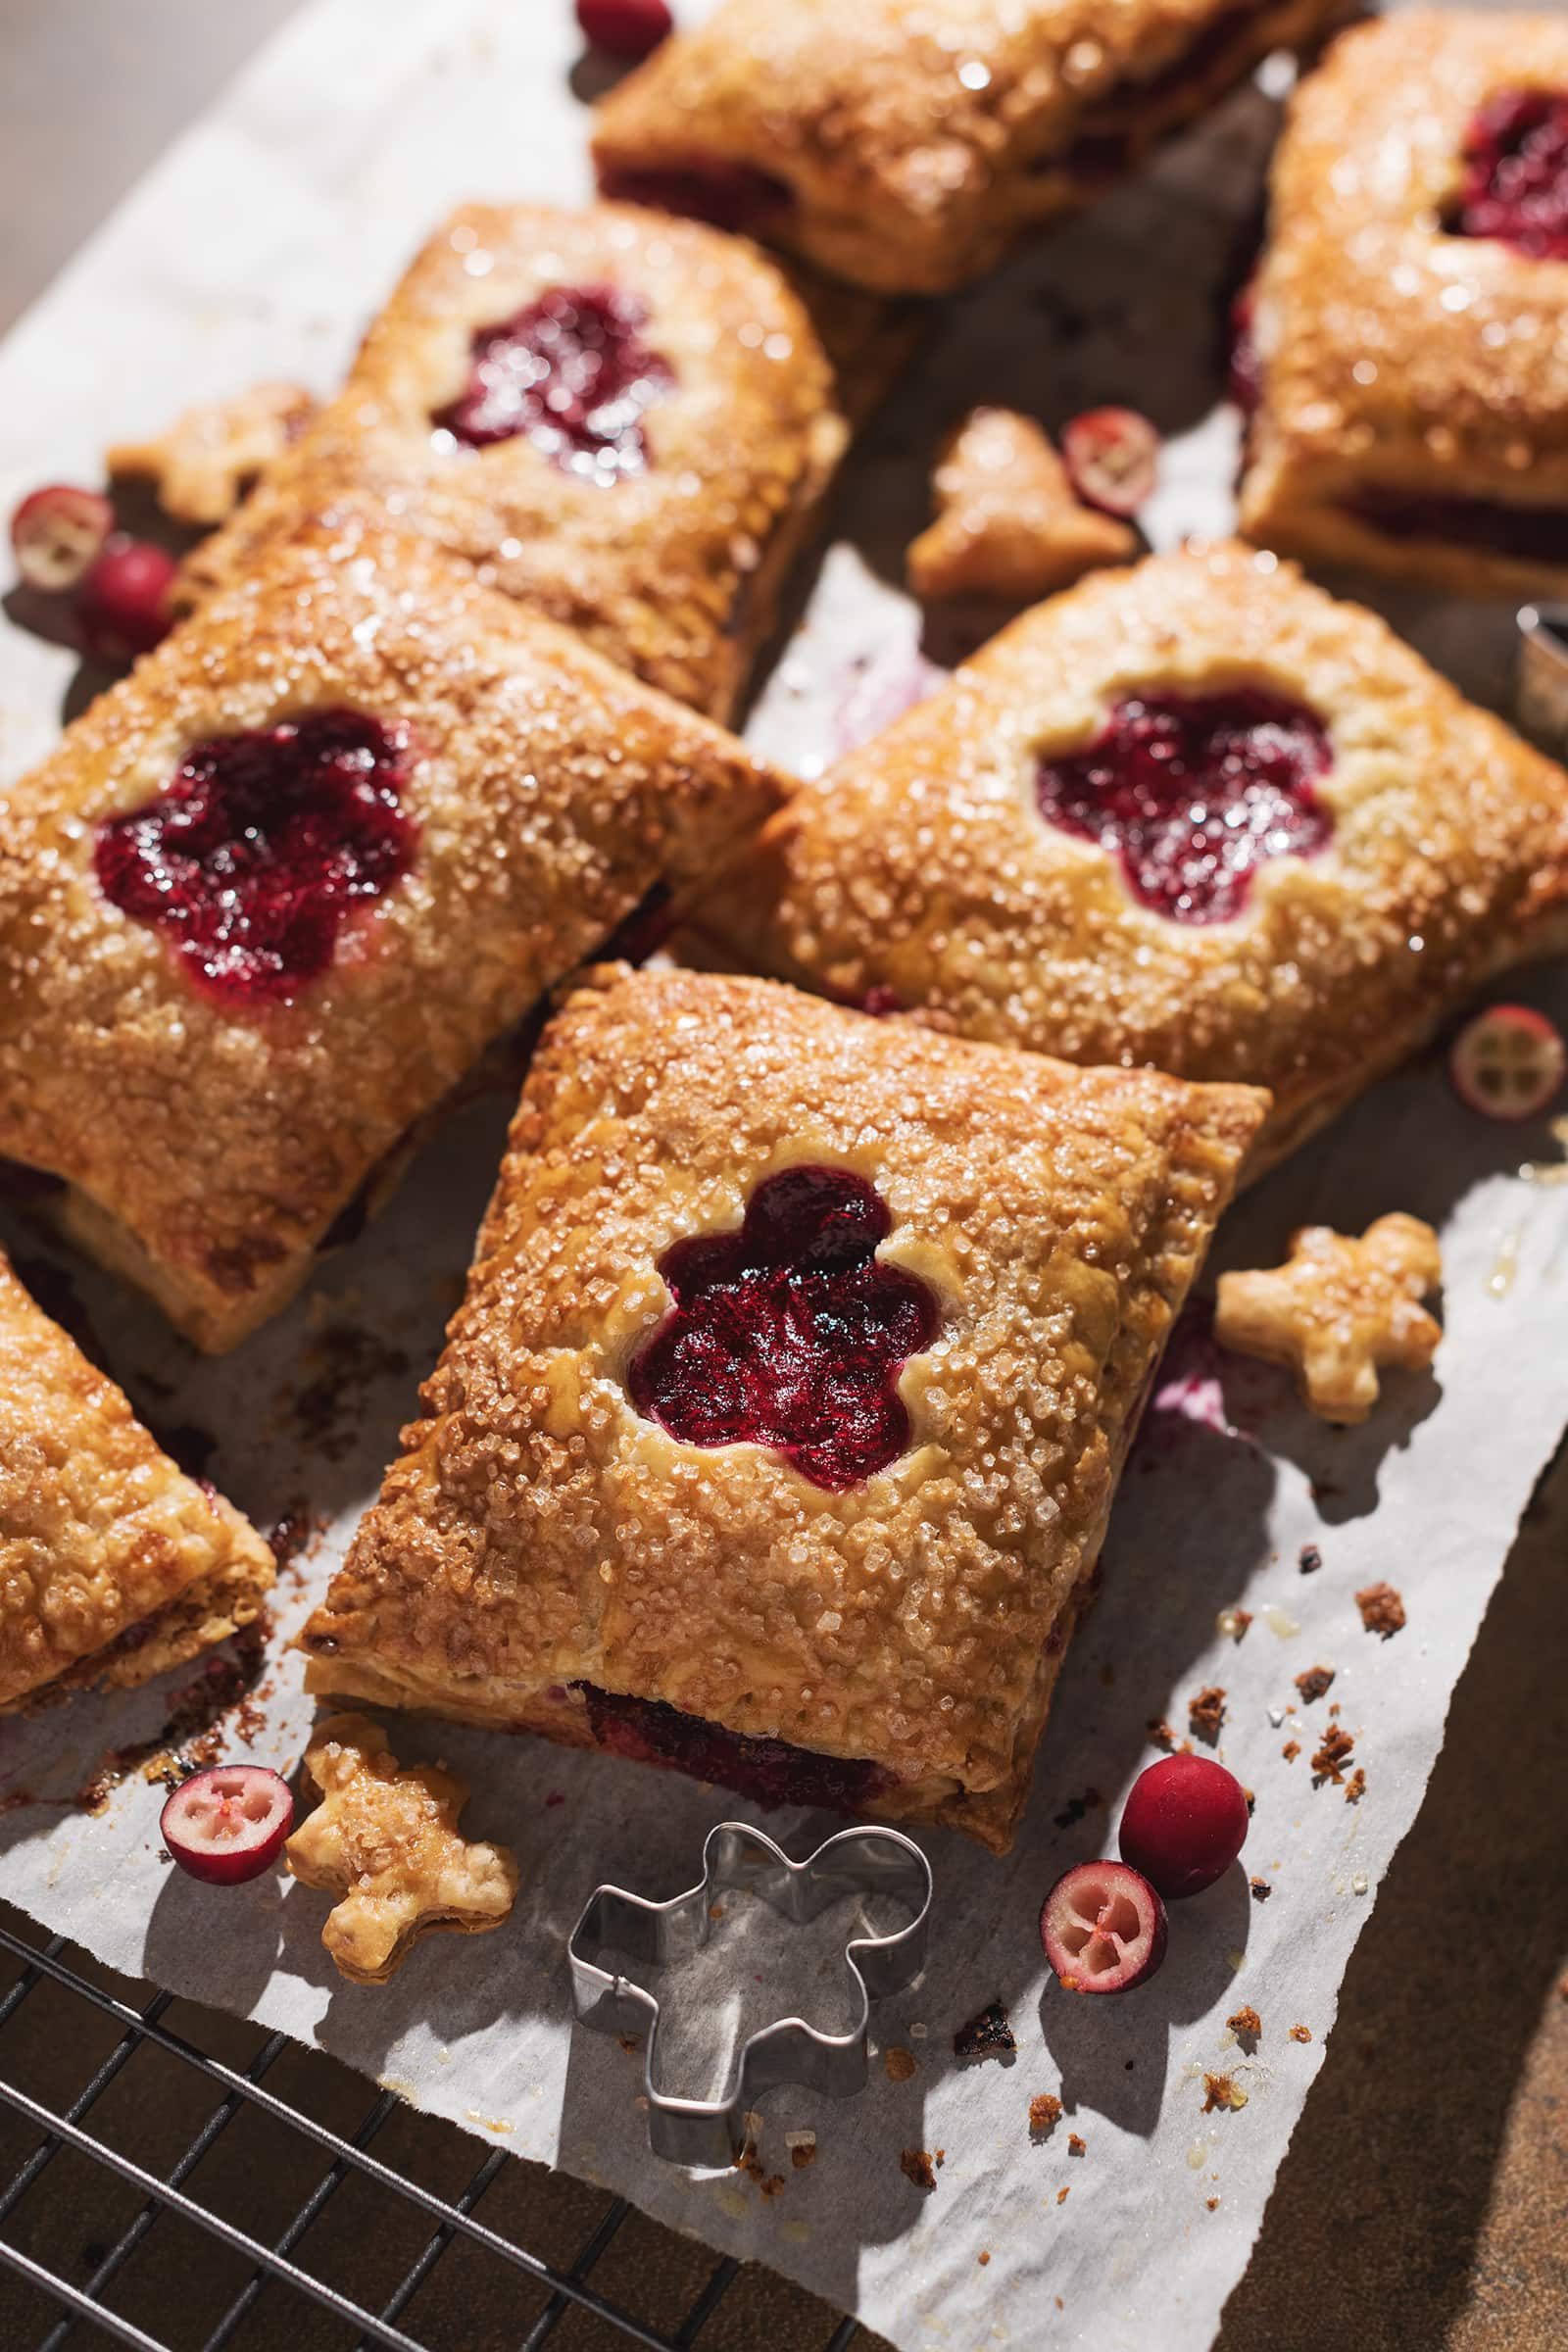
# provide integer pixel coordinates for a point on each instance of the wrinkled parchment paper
(257, 249)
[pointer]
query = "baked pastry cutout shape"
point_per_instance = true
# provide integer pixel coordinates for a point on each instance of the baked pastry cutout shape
(1338, 1310)
(775, 1438)
(1410, 315)
(625, 423)
(114, 1564)
(278, 890)
(907, 149)
(203, 464)
(1195, 815)
(385, 1840)
(1009, 522)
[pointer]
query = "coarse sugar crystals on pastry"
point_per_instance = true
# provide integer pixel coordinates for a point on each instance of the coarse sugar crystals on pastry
(277, 892)
(1410, 315)
(625, 423)
(906, 148)
(775, 1438)
(1197, 814)
(114, 1564)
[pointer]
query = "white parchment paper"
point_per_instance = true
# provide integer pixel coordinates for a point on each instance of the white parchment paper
(258, 249)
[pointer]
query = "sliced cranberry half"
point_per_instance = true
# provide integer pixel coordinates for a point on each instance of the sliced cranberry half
(260, 849)
(1104, 1928)
(1510, 1062)
(772, 1771)
(789, 1333)
(1184, 1825)
(57, 533)
(227, 1824)
(1515, 183)
(732, 196)
(572, 373)
(1112, 458)
(1194, 794)
(625, 28)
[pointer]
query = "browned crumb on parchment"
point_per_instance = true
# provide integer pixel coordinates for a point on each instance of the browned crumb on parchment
(1333, 1752)
(1355, 1787)
(1301, 2033)
(987, 2035)
(1247, 2028)
(983, 2257)
(1222, 2090)
(915, 2165)
(1259, 1889)
(897, 2064)
(1313, 1683)
(1061, 2196)
(1205, 1713)
(1045, 2114)
(1382, 1610)
(1310, 1559)
(1075, 2146)
(1290, 1750)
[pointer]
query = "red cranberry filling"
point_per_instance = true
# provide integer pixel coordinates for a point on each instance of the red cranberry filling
(573, 374)
(1515, 184)
(789, 1333)
(732, 196)
(254, 856)
(1194, 794)
(769, 1770)
(1535, 534)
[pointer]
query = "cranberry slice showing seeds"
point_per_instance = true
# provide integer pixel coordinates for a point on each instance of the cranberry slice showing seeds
(1509, 1062)
(1112, 459)
(1104, 1928)
(58, 533)
(1184, 1823)
(227, 1824)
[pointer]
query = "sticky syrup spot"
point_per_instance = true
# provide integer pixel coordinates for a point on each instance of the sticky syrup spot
(260, 849)
(789, 1333)
(1194, 794)
(572, 373)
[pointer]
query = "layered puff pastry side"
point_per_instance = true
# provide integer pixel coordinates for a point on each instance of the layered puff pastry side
(776, 1436)
(278, 890)
(906, 149)
(114, 1564)
(1196, 816)
(625, 423)
(1410, 315)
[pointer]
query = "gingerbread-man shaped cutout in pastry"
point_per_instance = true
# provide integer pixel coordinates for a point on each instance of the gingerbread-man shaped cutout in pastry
(385, 1840)
(1338, 1309)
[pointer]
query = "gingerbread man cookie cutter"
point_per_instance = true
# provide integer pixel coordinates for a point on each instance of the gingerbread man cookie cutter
(1542, 681)
(738, 1859)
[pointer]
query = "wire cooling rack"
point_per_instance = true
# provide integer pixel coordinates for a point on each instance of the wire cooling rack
(181, 2181)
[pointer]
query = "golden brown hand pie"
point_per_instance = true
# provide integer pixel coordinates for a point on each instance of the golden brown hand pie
(1410, 315)
(278, 889)
(906, 148)
(777, 1432)
(1197, 814)
(626, 423)
(1009, 521)
(114, 1564)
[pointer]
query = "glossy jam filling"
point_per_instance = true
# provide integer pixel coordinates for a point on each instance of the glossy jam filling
(261, 847)
(789, 1333)
(1194, 794)
(1114, 128)
(769, 1770)
(1515, 184)
(730, 196)
(572, 373)
(1537, 534)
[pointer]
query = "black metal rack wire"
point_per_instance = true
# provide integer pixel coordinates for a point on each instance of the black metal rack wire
(301, 2305)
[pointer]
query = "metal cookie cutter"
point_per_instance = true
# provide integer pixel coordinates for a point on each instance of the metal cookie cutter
(738, 1858)
(1543, 691)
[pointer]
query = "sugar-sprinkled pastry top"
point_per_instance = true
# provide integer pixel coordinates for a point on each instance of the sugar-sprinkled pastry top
(114, 1564)
(277, 888)
(776, 1434)
(1197, 814)
(625, 421)
(906, 146)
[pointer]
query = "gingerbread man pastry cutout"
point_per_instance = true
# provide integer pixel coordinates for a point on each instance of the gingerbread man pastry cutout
(1338, 1309)
(385, 1839)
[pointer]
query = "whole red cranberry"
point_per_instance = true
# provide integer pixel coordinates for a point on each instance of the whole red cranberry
(1184, 1823)
(122, 602)
(625, 28)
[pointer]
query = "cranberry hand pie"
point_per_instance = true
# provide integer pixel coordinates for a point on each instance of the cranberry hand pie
(906, 148)
(1410, 316)
(114, 1564)
(278, 889)
(1195, 815)
(626, 423)
(776, 1436)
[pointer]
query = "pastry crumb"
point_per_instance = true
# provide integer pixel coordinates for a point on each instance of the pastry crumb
(1162, 1735)
(1045, 2112)
(1075, 2146)
(1213, 2203)
(1260, 1889)
(987, 2035)
(915, 2165)
(1222, 2090)
(1290, 1750)
(983, 2257)
(1061, 2196)
(1247, 2027)
(1205, 1713)
(1355, 1787)
(1314, 1683)
(1382, 1610)
(1309, 1560)
(1335, 1750)
(1301, 2033)
(897, 2064)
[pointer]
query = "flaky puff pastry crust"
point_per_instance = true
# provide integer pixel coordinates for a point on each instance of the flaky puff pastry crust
(208, 1148)
(1396, 360)
(538, 1531)
(921, 864)
(914, 143)
(114, 1564)
(674, 572)
(1009, 521)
